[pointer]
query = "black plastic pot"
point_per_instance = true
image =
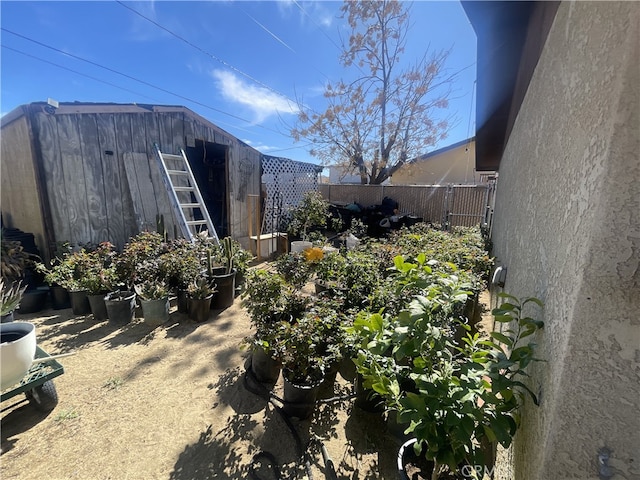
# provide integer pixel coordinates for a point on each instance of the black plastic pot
(328, 383)
(33, 300)
(183, 301)
(7, 318)
(120, 307)
(98, 307)
(265, 369)
(226, 290)
(60, 297)
(80, 302)
(299, 401)
(199, 308)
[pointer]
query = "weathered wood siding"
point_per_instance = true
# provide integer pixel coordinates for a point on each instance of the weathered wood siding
(20, 202)
(100, 173)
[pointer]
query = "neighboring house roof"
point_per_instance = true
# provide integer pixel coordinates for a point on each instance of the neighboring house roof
(442, 150)
(453, 164)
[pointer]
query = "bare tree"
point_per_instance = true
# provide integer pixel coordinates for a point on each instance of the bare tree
(386, 117)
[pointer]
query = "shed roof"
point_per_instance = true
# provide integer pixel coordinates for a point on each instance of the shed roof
(101, 107)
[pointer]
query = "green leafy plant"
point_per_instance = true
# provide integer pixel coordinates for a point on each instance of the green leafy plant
(180, 264)
(10, 296)
(310, 213)
(14, 260)
(294, 268)
(461, 394)
(138, 260)
(308, 345)
(271, 303)
(201, 287)
(99, 275)
(152, 290)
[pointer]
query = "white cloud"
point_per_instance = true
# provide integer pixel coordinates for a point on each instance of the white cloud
(261, 101)
(260, 146)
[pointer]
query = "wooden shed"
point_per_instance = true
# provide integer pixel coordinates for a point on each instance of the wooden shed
(87, 172)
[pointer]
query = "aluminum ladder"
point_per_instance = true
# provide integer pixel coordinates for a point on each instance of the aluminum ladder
(187, 187)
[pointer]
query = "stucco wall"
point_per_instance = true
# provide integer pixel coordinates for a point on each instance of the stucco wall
(567, 226)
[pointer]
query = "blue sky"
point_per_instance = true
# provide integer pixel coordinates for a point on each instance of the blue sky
(241, 64)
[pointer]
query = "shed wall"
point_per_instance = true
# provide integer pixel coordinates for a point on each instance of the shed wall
(20, 201)
(101, 179)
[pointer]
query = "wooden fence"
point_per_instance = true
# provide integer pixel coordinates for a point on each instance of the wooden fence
(449, 205)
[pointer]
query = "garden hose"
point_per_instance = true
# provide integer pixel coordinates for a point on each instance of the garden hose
(254, 386)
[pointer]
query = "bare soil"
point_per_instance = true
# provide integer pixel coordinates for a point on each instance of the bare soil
(172, 403)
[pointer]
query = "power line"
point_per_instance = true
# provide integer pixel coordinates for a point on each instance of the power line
(76, 72)
(196, 102)
(218, 59)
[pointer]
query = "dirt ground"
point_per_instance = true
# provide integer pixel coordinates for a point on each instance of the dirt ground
(171, 403)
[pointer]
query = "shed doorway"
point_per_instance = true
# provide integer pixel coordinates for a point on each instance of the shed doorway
(209, 163)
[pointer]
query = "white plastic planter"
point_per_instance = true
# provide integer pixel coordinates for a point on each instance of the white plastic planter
(17, 349)
(300, 246)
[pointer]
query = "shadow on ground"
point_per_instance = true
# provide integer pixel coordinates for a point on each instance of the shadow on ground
(17, 421)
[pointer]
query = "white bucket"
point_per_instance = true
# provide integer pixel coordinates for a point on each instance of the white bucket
(17, 349)
(300, 246)
(352, 241)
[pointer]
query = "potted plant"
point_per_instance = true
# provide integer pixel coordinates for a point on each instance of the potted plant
(69, 272)
(178, 266)
(269, 300)
(99, 278)
(200, 292)
(310, 213)
(330, 270)
(56, 275)
(295, 268)
(307, 347)
(19, 265)
(242, 261)
(462, 395)
(154, 296)
(10, 296)
(120, 305)
(225, 280)
(143, 247)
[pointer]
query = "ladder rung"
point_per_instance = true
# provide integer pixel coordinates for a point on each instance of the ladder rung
(196, 222)
(183, 189)
(190, 205)
(177, 172)
(168, 156)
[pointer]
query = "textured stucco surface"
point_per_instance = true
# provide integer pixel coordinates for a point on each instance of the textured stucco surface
(567, 226)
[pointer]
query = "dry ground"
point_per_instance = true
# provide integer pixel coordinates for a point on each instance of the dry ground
(171, 403)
